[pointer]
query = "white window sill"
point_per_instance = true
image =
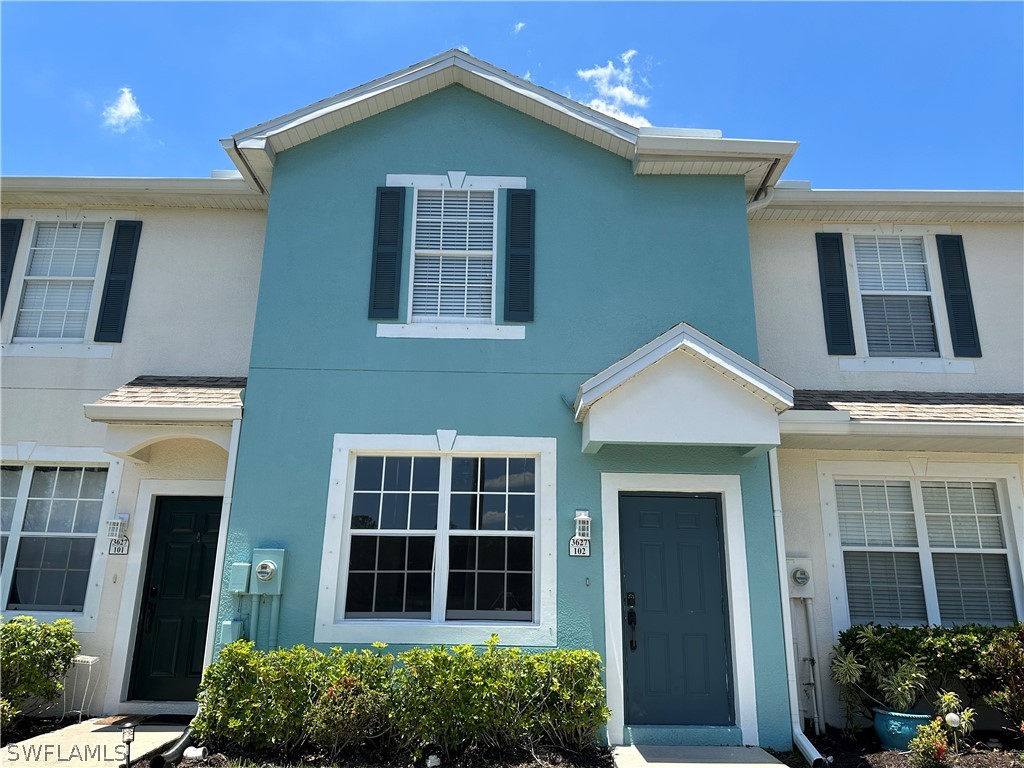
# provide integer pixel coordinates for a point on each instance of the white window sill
(425, 633)
(449, 331)
(905, 365)
(60, 349)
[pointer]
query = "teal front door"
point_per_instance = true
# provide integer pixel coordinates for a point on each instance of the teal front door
(675, 613)
(176, 599)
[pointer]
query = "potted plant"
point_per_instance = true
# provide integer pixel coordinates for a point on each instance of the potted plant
(880, 680)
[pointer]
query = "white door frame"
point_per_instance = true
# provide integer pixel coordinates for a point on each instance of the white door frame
(131, 597)
(740, 630)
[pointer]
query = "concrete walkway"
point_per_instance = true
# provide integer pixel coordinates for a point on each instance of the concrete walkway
(687, 757)
(94, 743)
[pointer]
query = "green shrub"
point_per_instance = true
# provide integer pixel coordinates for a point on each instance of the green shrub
(1005, 665)
(36, 658)
(928, 748)
(347, 715)
(445, 698)
(257, 700)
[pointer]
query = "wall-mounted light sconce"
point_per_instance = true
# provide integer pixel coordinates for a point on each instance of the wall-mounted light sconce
(582, 524)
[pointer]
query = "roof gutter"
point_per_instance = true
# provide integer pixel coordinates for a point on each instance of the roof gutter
(235, 153)
(162, 414)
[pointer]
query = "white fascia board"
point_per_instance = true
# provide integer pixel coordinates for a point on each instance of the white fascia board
(163, 186)
(162, 414)
(684, 336)
(825, 426)
(915, 197)
(730, 149)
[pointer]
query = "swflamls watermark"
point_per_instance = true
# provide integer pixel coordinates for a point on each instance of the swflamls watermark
(65, 753)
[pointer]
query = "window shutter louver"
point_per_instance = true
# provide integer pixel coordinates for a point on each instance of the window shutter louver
(835, 294)
(963, 328)
(519, 257)
(114, 306)
(10, 235)
(386, 276)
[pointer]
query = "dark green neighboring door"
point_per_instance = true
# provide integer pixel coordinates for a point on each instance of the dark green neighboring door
(176, 599)
(676, 646)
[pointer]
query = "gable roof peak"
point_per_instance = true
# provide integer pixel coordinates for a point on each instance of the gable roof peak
(652, 151)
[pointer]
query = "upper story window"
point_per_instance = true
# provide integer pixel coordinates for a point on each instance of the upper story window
(59, 281)
(69, 281)
(895, 293)
(902, 298)
(457, 282)
(453, 256)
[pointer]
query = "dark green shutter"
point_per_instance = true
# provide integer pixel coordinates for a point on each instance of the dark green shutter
(10, 234)
(835, 294)
(386, 277)
(121, 267)
(963, 328)
(519, 255)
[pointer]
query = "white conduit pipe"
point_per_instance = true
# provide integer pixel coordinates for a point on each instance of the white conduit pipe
(819, 705)
(800, 741)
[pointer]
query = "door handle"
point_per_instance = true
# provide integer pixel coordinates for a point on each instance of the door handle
(631, 618)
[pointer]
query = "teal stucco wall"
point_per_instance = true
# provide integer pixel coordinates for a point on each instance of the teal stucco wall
(620, 259)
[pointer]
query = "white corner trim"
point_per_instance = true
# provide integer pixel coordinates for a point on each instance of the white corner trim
(449, 331)
(740, 629)
(123, 645)
(905, 365)
(454, 180)
(329, 628)
(46, 349)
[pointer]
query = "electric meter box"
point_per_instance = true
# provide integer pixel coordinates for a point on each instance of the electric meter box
(267, 571)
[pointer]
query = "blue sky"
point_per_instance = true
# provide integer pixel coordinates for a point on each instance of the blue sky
(880, 95)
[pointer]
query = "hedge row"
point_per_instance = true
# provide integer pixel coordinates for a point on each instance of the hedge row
(443, 698)
(986, 662)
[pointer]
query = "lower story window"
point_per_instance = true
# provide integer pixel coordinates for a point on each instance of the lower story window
(49, 518)
(442, 538)
(924, 551)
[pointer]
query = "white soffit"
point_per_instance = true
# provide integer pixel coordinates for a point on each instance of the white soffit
(907, 206)
(652, 150)
(129, 193)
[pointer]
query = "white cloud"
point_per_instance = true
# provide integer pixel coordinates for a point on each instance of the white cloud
(123, 113)
(518, 27)
(528, 76)
(464, 48)
(615, 91)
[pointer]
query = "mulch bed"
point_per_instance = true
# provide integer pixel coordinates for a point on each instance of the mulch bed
(22, 728)
(472, 758)
(862, 751)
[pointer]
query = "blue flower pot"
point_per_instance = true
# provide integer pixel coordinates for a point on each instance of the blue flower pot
(896, 729)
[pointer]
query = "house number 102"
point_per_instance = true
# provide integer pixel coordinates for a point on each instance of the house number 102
(579, 547)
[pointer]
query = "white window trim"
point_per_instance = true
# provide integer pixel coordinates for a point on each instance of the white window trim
(86, 620)
(330, 625)
(945, 362)
(33, 347)
(740, 627)
(1011, 503)
(457, 329)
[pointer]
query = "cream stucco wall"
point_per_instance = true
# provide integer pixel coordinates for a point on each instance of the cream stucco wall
(805, 538)
(791, 334)
(191, 312)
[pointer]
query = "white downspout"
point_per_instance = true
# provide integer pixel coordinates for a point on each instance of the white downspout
(802, 743)
(769, 193)
(222, 542)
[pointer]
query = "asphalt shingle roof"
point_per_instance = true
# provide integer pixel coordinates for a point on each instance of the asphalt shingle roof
(992, 408)
(178, 390)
